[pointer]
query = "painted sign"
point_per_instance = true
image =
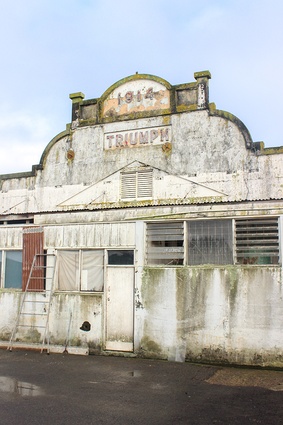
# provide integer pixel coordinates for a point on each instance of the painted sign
(137, 138)
(136, 96)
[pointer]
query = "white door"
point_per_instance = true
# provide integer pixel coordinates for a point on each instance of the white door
(120, 308)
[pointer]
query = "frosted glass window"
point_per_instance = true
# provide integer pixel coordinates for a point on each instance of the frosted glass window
(80, 270)
(92, 270)
(68, 270)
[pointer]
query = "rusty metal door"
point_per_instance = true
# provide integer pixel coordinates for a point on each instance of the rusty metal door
(32, 245)
(120, 308)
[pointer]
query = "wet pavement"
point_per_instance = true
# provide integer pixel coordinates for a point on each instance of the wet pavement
(66, 389)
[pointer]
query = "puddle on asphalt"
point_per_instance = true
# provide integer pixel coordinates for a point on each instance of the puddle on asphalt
(24, 389)
(124, 375)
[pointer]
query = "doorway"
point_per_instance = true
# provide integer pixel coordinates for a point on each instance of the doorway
(119, 293)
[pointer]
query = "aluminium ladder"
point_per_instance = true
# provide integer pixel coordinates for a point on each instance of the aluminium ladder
(34, 309)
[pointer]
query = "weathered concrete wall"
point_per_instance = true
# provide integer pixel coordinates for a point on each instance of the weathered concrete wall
(213, 314)
(72, 310)
(67, 314)
(204, 314)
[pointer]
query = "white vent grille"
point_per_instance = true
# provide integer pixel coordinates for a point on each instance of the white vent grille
(136, 184)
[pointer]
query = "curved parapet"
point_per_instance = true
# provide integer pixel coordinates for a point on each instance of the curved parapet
(52, 143)
(230, 117)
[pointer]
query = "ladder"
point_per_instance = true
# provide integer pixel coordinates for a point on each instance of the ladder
(34, 309)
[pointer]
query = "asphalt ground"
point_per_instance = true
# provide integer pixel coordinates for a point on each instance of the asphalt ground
(67, 389)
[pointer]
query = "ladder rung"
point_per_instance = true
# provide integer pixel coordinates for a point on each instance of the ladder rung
(29, 326)
(36, 301)
(42, 267)
(37, 277)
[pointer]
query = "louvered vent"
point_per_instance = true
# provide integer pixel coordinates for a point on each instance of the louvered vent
(136, 184)
(165, 243)
(257, 241)
(144, 180)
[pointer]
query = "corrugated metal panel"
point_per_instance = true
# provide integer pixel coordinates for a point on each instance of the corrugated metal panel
(32, 245)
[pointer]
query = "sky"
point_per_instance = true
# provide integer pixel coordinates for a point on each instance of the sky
(51, 48)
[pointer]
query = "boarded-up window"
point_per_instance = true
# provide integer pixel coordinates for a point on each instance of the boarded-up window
(136, 184)
(257, 241)
(33, 245)
(80, 270)
(165, 243)
(210, 242)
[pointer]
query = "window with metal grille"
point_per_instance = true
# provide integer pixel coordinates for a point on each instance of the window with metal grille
(165, 243)
(210, 242)
(257, 241)
(136, 184)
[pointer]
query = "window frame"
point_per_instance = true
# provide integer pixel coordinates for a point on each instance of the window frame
(3, 269)
(254, 243)
(233, 241)
(174, 234)
(79, 276)
(217, 231)
(123, 264)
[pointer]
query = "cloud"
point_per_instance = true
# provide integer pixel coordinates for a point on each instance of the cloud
(52, 48)
(23, 138)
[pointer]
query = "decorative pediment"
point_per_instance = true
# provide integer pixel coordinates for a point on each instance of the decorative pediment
(135, 94)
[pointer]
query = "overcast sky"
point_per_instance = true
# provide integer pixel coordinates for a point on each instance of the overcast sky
(51, 48)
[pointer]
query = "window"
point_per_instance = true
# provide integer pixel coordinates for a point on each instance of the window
(16, 222)
(257, 241)
(11, 269)
(210, 242)
(136, 184)
(121, 257)
(80, 270)
(226, 241)
(165, 243)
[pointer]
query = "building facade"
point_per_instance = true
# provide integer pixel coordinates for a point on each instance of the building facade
(154, 224)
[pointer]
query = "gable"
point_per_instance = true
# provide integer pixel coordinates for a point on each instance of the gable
(140, 182)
